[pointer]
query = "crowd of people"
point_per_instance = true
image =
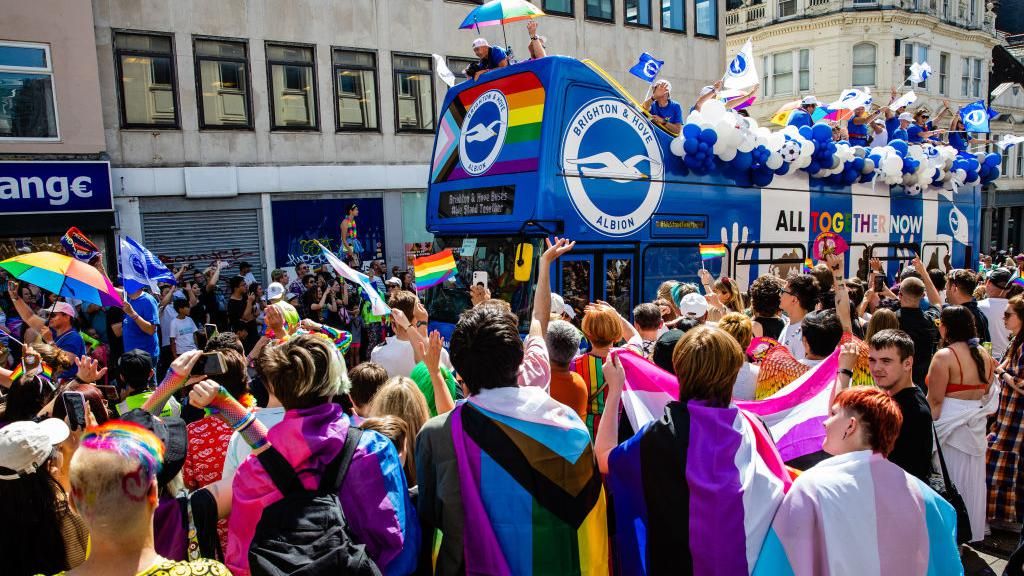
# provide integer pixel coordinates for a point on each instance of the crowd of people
(218, 428)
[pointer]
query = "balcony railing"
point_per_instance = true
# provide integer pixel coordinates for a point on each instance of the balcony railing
(759, 15)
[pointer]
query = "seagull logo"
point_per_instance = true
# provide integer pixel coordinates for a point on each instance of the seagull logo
(738, 65)
(975, 116)
(482, 133)
(608, 165)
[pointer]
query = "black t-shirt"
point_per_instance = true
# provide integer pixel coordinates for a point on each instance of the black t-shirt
(920, 326)
(236, 308)
(116, 343)
(913, 449)
(771, 327)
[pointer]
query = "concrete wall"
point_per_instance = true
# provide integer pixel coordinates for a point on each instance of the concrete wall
(66, 26)
(418, 26)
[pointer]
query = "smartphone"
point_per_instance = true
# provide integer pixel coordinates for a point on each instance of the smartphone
(211, 331)
(74, 404)
(210, 364)
(109, 392)
(480, 278)
(879, 283)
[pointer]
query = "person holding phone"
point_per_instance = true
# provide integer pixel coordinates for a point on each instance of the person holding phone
(58, 329)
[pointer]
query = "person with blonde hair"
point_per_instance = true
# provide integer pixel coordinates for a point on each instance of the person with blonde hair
(401, 397)
(305, 373)
(723, 295)
(703, 469)
(603, 327)
(882, 319)
(740, 327)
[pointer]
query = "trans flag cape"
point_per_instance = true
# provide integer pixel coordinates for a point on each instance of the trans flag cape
(694, 492)
(858, 513)
(526, 461)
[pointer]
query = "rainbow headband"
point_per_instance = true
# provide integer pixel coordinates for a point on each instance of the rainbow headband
(129, 440)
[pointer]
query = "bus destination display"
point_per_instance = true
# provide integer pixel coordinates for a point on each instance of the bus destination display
(497, 201)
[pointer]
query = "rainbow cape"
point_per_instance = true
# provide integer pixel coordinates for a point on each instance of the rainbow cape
(530, 466)
(434, 269)
(858, 513)
(694, 492)
(709, 251)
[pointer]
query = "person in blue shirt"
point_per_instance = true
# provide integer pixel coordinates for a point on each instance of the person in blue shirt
(803, 116)
(491, 57)
(58, 328)
(960, 139)
(664, 111)
(139, 327)
(918, 132)
(858, 126)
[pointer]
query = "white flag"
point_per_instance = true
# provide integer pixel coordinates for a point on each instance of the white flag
(741, 73)
(919, 72)
(443, 72)
(905, 100)
(1009, 140)
(346, 272)
(851, 99)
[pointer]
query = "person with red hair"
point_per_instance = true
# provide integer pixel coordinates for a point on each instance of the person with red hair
(856, 512)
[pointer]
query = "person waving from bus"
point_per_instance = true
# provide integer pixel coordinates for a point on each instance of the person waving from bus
(491, 57)
(665, 111)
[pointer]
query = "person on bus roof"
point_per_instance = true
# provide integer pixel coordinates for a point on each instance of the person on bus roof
(802, 116)
(491, 57)
(665, 112)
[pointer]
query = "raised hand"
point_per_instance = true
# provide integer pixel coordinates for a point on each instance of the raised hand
(203, 393)
(89, 370)
(557, 249)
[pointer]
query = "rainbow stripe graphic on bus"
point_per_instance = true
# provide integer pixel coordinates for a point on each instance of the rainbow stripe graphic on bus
(491, 129)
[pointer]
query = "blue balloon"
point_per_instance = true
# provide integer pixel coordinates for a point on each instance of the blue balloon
(708, 135)
(822, 132)
(992, 159)
(813, 167)
(900, 146)
(858, 164)
(971, 176)
(763, 177)
(742, 161)
(805, 131)
(690, 145)
(783, 170)
(691, 131)
(876, 159)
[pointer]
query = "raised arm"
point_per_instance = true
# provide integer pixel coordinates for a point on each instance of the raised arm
(608, 429)
(443, 400)
(835, 265)
(933, 293)
(542, 295)
(25, 311)
(177, 378)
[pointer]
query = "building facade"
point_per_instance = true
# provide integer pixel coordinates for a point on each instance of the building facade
(245, 130)
(823, 47)
(53, 170)
(1003, 206)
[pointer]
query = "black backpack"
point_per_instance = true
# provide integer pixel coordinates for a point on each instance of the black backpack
(305, 533)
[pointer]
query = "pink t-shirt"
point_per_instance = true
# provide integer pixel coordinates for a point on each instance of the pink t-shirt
(535, 369)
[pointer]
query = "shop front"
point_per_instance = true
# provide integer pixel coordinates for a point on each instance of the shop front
(39, 201)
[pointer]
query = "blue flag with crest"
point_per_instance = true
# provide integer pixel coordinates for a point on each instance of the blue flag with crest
(975, 116)
(647, 67)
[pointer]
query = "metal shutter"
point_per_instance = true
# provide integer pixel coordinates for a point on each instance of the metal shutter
(202, 237)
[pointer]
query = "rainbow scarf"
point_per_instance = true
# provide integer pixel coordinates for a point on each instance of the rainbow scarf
(434, 269)
(858, 513)
(527, 462)
(694, 492)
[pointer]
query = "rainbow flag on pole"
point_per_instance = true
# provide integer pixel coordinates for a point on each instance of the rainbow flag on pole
(808, 265)
(434, 269)
(709, 251)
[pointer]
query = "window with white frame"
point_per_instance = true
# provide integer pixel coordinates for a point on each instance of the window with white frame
(786, 73)
(764, 76)
(864, 64)
(786, 8)
(1020, 161)
(914, 53)
(965, 76)
(28, 109)
(976, 79)
(1006, 162)
(944, 74)
(970, 77)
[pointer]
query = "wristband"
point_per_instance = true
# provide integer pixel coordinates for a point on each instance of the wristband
(846, 372)
(239, 419)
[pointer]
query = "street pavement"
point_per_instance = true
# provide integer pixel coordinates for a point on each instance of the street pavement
(989, 557)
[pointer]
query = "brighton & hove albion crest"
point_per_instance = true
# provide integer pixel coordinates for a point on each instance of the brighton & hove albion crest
(483, 132)
(613, 166)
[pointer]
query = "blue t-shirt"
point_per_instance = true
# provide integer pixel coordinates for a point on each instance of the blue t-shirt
(672, 112)
(146, 307)
(892, 125)
(858, 132)
(70, 341)
(899, 134)
(800, 117)
(914, 133)
(494, 57)
(959, 141)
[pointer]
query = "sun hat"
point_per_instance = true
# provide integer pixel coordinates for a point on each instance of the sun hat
(26, 445)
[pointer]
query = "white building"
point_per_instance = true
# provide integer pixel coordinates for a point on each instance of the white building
(244, 129)
(1004, 213)
(822, 47)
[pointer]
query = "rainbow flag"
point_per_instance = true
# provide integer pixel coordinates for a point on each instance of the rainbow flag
(434, 269)
(709, 251)
(19, 371)
(1018, 281)
(535, 474)
(808, 265)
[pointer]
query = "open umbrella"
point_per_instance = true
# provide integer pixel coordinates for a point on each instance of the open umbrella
(781, 116)
(500, 12)
(65, 276)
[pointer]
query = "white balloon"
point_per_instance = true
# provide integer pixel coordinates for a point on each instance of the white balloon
(713, 110)
(774, 162)
(677, 146)
(727, 154)
(869, 166)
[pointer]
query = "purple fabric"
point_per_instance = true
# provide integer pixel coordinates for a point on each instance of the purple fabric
(507, 167)
(169, 532)
(804, 438)
(717, 531)
(484, 555)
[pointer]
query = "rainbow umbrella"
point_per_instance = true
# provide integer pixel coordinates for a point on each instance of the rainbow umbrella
(65, 276)
(781, 116)
(500, 12)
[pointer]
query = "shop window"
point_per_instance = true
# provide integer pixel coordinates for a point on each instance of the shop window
(222, 73)
(355, 88)
(414, 93)
(27, 106)
(638, 13)
(706, 18)
(292, 77)
(673, 15)
(600, 10)
(146, 80)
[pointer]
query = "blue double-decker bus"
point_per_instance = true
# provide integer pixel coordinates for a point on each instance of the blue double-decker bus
(555, 147)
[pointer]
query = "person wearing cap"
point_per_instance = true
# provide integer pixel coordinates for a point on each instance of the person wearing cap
(559, 310)
(706, 93)
(664, 111)
(115, 475)
(899, 131)
(58, 328)
(694, 306)
(135, 368)
(392, 285)
(491, 57)
(997, 289)
(275, 292)
(878, 135)
(38, 528)
(803, 116)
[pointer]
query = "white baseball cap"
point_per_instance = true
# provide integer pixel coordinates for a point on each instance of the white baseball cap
(907, 116)
(878, 120)
(693, 305)
(275, 291)
(809, 100)
(558, 307)
(393, 281)
(480, 42)
(25, 446)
